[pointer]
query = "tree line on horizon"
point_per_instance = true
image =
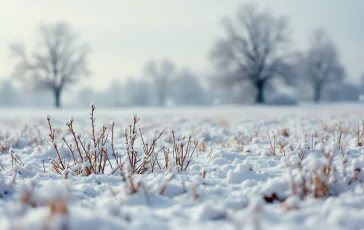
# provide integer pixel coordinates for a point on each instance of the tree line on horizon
(252, 62)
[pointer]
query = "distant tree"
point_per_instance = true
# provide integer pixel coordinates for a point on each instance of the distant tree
(58, 62)
(321, 64)
(115, 93)
(187, 89)
(9, 95)
(161, 75)
(347, 91)
(254, 49)
(362, 86)
(137, 92)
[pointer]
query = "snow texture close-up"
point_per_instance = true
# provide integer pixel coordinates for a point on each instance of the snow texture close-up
(252, 167)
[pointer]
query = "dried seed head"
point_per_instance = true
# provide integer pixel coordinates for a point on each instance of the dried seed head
(48, 117)
(71, 119)
(112, 122)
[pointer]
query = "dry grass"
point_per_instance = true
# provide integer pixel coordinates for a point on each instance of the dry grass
(93, 157)
(318, 182)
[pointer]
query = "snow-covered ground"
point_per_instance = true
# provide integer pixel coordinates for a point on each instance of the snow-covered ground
(221, 167)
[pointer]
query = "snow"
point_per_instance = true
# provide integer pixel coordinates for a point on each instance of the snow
(282, 99)
(233, 180)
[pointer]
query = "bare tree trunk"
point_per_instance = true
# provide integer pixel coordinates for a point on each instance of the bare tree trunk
(57, 97)
(260, 91)
(317, 92)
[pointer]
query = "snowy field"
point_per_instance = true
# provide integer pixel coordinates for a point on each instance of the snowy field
(183, 168)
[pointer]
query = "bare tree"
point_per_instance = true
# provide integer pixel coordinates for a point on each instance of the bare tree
(137, 92)
(321, 64)
(160, 75)
(254, 49)
(187, 89)
(58, 62)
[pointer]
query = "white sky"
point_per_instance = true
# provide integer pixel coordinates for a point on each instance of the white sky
(124, 34)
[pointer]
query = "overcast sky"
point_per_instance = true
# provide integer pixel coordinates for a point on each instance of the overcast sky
(124, 34)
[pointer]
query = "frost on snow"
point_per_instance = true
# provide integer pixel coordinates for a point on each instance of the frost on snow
(203, 169)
